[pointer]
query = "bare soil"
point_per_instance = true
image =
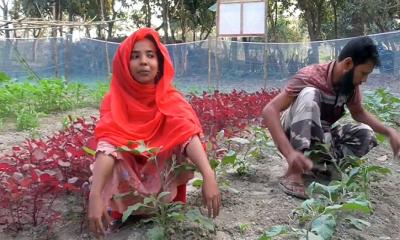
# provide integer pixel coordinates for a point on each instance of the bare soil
(254, 200)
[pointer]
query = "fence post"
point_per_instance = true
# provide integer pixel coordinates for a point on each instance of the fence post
(209, 63)
(68, 41)
(265, 66)
(217, 69)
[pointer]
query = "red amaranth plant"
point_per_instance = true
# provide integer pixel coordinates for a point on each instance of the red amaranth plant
(35, 175)
(231, 112)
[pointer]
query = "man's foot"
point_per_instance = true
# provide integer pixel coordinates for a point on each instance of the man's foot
(293, 188)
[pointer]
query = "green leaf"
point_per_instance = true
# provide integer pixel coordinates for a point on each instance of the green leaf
(378, 169)
(162, 195)
(324, 226)
(380, 138)
(130, 210)
(141, 148)
(358, 223)
(354, 172)
(194, 215)
(156, 233)
(333, 208)
(239, 140)
(229, 158)
(148, 200)
(306, 235)
(89, 151)
(330, 191)
(4, 77)
(178, 216)
(274, 232)
(175, 207)
(358, 205)
(214, 164)
(197, 183)
(185, 167)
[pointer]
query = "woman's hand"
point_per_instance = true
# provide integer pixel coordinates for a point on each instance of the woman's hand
(98, 215)
(211, 194)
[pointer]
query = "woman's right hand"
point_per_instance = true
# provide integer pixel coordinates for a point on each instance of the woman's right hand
(97, 215)
(211, 194)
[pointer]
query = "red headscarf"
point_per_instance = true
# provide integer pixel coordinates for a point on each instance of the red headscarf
(157, 114)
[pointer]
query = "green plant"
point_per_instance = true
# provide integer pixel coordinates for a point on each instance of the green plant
(243, 227)
(164, 214)
(68, 121)
(234, 152)
(384, 105)
(4, 78)
(78, 94)
(330, 205)
(27, 118)
(99, 91)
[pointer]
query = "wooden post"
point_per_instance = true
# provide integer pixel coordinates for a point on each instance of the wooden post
(68, 41)
(265, 46)
(217, 70)
(209, 63)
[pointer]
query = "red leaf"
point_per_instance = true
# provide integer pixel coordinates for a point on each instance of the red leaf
(26, 182)
(7, 168)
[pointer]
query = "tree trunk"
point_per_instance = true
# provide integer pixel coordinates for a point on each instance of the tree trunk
(335, 17)
(275, 21)
(111, 24)
(5, 17)
(165, 19)
(87, 31)
(70, 18)
(147, 13)
(182, 20)
(99, 27)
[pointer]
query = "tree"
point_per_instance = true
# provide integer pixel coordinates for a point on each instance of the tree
(201, 19)
(4, 8)
(313, 12)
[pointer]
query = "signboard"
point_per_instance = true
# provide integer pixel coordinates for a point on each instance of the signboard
(241, 18)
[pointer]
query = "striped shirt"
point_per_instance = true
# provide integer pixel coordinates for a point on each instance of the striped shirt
(320, 76)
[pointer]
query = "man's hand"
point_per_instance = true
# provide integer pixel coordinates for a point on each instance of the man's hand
(298, 163)
(394, 139)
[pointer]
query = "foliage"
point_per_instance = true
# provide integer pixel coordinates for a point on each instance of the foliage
(384, 105)
(330, 205)
(167, 216)
(164, 214)
(26, 101)
(4, 78)
(219, 111)
(234, 153)
(27, 118)
(35, 176)
(99, 92)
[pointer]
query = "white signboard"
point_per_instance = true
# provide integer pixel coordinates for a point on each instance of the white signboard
(241, 18)
(253, 18)
(229, 18)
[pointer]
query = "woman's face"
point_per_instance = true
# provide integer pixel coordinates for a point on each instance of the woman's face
(144, 62)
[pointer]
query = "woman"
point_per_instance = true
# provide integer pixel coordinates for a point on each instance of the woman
(142, 105)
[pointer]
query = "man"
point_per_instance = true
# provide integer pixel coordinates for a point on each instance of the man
(314, 99)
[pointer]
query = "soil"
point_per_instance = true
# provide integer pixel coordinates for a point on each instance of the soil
(254, 200)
